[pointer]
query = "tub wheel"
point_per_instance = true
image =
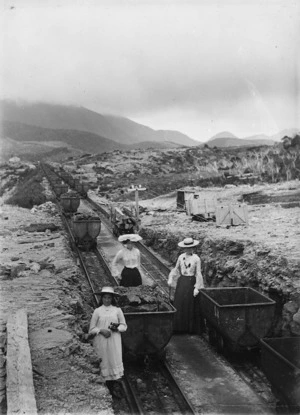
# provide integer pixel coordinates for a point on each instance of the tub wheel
(220, 343)
(212, 336)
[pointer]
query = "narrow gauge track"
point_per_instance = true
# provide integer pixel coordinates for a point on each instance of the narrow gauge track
(248, 371)
(151, 265)
(136, 400)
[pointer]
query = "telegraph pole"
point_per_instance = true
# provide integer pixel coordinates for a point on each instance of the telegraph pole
(136, 189)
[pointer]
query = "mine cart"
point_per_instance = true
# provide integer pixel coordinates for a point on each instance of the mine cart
(70, 202)
(149, 326)
(76, 183)
(280, 358)
(59, 189)
(84, 189)
(86, 228)
(122, 223)
(237, 318)
(71, 181)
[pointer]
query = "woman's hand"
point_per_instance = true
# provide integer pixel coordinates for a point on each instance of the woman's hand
(170, 281)
(196, 292)
(106, 333)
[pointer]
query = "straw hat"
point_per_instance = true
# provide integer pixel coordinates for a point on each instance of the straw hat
(107, 290)
(132, 237)
(188, 243)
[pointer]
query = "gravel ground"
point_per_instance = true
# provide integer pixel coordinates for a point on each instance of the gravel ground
(271, 225)
(39, 273)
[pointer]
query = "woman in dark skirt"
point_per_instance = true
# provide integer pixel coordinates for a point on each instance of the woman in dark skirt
(129, 256)
(190, 280)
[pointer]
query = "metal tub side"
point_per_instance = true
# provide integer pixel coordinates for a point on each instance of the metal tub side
(80, 228)
(241, 315)
(148, 333)
(93, 228)
(280, 358)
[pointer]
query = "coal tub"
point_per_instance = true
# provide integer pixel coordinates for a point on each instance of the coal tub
(280, 358)
(236, 317)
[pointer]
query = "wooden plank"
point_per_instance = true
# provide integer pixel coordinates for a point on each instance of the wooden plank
(232, 215)
(19, 382)
(223, 215)
(240, 215)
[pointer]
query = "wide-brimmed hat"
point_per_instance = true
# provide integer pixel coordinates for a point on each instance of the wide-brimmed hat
(132, 237)
(188, 243)
(107, 290)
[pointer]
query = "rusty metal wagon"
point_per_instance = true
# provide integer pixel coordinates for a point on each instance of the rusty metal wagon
(280, 358)
(237, 318)
(59, 189)
(148, 333)
(84, 189)
(86, 229)
(70, 202)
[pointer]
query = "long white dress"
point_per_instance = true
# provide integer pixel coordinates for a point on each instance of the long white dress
(109, 349)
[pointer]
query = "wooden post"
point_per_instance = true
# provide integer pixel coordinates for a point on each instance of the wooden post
(19, 382)
(136, 189)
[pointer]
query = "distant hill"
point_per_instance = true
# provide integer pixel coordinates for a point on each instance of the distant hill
(81, 140)
(33, 151)
(152, 144)
(227, 139)
(223, 134)
(237, 142)
(119, 129)
(39, 140)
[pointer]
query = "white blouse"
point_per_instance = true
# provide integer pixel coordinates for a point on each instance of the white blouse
(188, 265)
(129, 258)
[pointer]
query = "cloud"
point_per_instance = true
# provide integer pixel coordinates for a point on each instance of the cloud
(137, 58)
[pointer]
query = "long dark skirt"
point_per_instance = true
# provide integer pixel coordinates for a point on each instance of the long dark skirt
(184, 302)
(187, 318)
(130, 277)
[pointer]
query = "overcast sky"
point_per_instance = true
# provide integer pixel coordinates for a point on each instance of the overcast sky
(200, 67)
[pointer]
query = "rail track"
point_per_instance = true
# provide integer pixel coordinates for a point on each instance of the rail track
(151, 265)
(137, 399)
(166, 396)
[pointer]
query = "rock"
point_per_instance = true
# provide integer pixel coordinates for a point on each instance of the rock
(16, 271)
(296, 318)
(41, 227)
(35, 267)
(291, 307)
(14, 258)
(50, 337)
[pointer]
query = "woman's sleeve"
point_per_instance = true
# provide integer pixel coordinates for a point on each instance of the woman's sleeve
(199, 278)
(115, 261)
(175, 272)
(139, 261)
(93, 324)
(121, 319)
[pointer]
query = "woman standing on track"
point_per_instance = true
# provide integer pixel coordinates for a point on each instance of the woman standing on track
(107, 324)
(188, 269)
(129, 256)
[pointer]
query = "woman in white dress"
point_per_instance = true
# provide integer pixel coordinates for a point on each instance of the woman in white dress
(130, 258)
(189, 278)
(107, 324)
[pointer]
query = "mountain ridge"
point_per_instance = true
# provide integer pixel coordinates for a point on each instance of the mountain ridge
(55, 116)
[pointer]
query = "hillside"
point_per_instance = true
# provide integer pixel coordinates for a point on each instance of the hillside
(81, 140)
(223, 134)
(227, 139)
(238, 142)
(119, 129)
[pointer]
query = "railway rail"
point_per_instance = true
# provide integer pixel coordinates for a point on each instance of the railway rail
(158, 271)
(157, 375)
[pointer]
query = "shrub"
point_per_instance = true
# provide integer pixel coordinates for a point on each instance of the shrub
(29, 191)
